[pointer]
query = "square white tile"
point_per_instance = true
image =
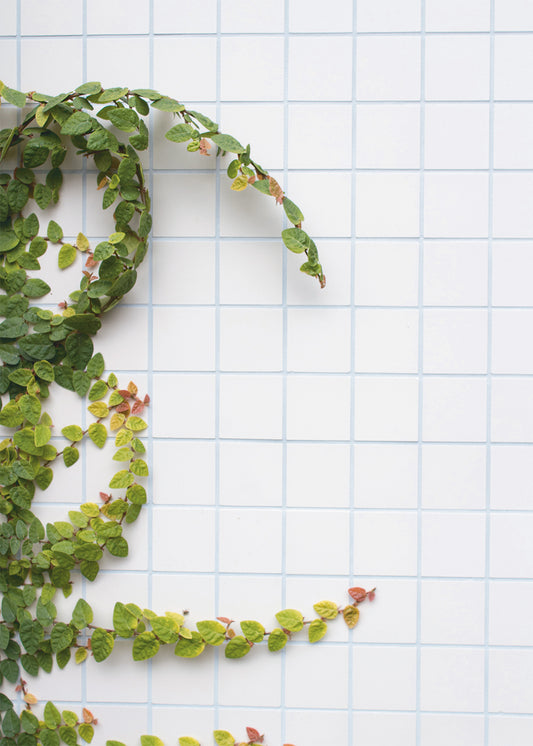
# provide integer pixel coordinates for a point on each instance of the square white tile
(452, 679)
(385, 543)
(386, 273)
(468, 556)
(387, 204)
(250, 473)
(319, 340)
(317, 542)
(456, 273)
(454, 409)
(453, 476)
(251, 407)
(251, 339)
(457, 67)
(388, 136)
(455, 341)
(250, 541)
(463, 601)
(183, 339)
(388, 68)
(313, 67)
(261, 78)
(386, 476)
(330, 419)
(456, 205)
(318, 474)
(386, 408)
(386, 341)
(472, 15)
(456, 135)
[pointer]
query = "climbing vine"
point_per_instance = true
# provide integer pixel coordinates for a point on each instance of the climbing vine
(40, 348)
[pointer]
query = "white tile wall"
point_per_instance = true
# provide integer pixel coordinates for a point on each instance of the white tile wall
(376, 433)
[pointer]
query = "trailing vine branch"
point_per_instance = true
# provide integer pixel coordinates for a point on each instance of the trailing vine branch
(40, 348)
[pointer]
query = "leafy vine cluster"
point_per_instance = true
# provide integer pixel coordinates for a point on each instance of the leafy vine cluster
(40, 348)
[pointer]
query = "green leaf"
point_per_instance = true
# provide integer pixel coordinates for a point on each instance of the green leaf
(11, 416)
(326, 609)
(44, 370)
(151, 741)
(83, 322)
(8, 240)
(136, 424)
(86, 732)
(54, 232)
(17, 195)
(30, 406)
(295, 239)
(188, 741)
(29, 722)
(68, 735)
(122, 478)
(49, 737)
(124, 119)
(78, 124)
(237, 647)
(66, 256)
(35, 154)
(190, 648)
(205, 121)
(82, 614)
(212, 632)
(52, 716)
(96, 366)
(42, 194)
(61, 637)
(31, 635)
(317, 630)
(139, 468)
(14, 97)
(145, 646)
(111, 94)
(98, 390)
(165, 103)
(136, 494)
(79, 349)
(223, 738)
(292, 211)
(89, 89)
(10, 724)
(124, 621)
(290, 619)
(42, 435)
(98, 434)
(35, 288)
(37, 346)
(277, 640)
(253, 631)
(117, 546)
(181, 133)
(351, 616)
(166, 628)
(102, 139)
(74, 433)
(102, 643)
(227, 142)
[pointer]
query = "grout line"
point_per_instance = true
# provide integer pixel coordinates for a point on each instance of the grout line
(150, 382)
(486, 631)
(351, 730)
(217, 529)
(284, 394)
(420, 374)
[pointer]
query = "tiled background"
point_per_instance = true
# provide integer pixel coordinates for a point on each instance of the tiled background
(379, 432)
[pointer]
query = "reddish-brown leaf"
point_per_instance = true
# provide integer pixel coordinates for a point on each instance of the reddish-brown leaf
(224, 619)
(87, 716)
(275, 190)
(123, 407)
(358, 594)
(138, 407)
(254, 736)
(146, 400)
(204, 146)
